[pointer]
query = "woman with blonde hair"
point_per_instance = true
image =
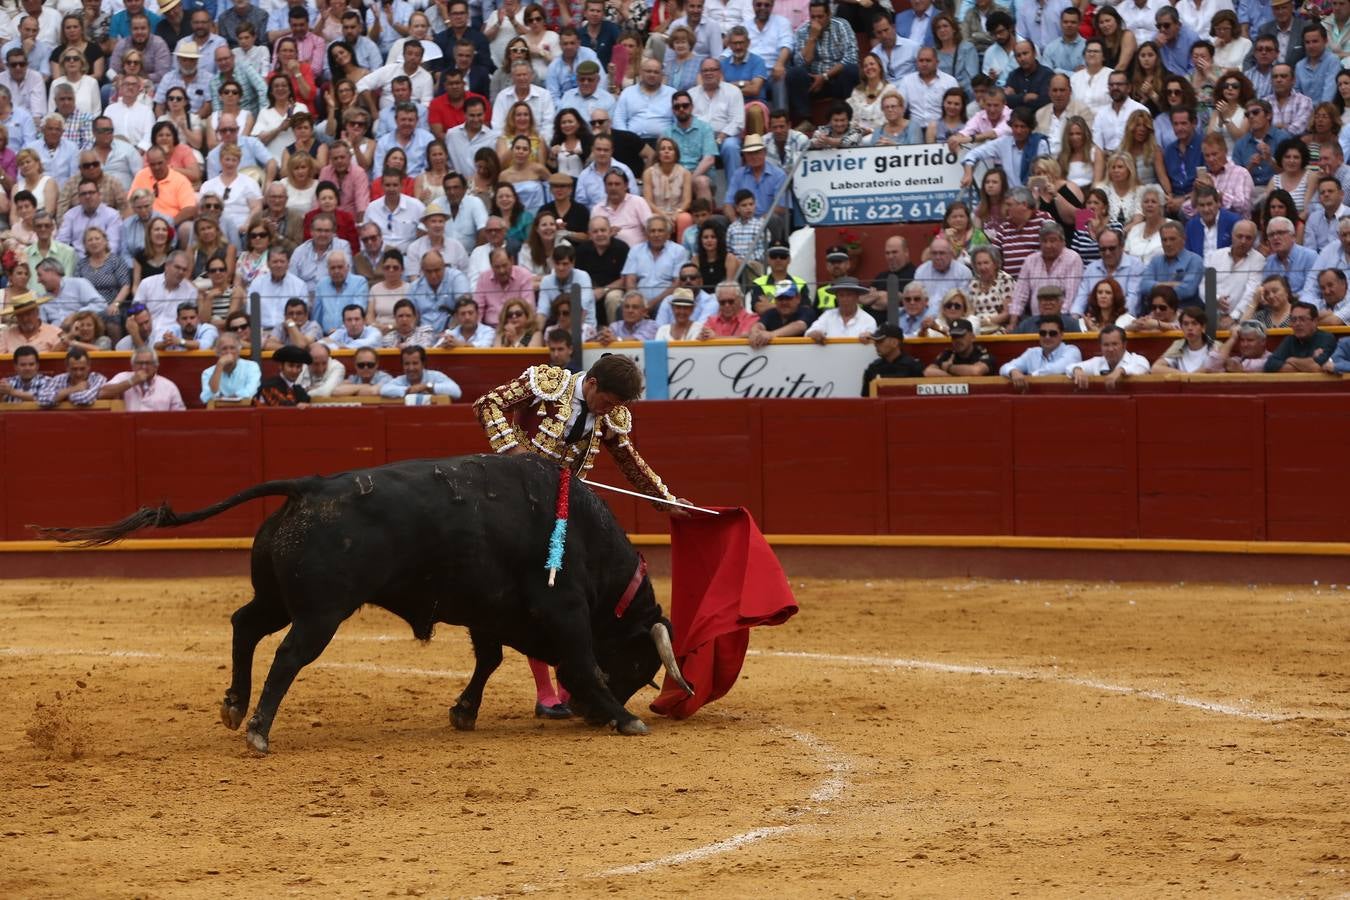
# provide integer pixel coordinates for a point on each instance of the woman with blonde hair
(1078, 154)
(517, 325)
(1122, 189)
(526, 174)
(258, 237)
(75, 72)
(955, 305)
(520, 123)
(1141, 146)
(300, 182)
(34, 180)
(867, 96)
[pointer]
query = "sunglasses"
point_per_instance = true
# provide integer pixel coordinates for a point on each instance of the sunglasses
(254, 235)
(216, 270)
(515, 313)
(952, 306)
(532, 19)
(595, 123)
(682, 106)
(243, 327)
(90, 165)
(1050, 333)
(365, 365)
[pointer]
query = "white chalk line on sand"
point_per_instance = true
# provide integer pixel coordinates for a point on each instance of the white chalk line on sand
(882, 662)
(826, 792)
(202, 657)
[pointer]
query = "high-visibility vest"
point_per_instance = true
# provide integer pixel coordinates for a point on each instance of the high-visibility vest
(768, 286)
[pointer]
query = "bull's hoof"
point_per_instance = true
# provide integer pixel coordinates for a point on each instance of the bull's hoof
(231, 716)
(462, 719)
(634, 726)
(256, 742)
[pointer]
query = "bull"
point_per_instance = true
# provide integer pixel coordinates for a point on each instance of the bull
(461, 541)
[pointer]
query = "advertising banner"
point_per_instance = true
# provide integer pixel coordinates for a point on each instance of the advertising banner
(720, 371)
(876, 185)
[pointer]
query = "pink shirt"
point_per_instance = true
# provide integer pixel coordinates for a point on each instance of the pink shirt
(982, 123)
(628, 219)
(46, 340)
(1066, 271)
(737, 327)
(492, 295)
(159, 394)
(353, 190)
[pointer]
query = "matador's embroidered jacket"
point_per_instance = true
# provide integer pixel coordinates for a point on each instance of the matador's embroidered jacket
(533, 411)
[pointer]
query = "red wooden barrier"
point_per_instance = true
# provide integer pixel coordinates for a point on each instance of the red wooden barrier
(1182, 466)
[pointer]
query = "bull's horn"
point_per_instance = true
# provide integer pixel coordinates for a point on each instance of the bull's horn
(661, 637)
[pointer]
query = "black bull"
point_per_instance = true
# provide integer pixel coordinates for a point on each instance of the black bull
(462, 541)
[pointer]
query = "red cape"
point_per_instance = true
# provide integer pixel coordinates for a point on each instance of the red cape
(725, 579)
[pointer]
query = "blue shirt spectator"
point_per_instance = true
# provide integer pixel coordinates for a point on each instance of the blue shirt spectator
(562, 73)
(58, 162)
(695, 142)
(1128, 274)
(1063, 56)
(747, 70)
(436, 303)
(439, 382)
(415, 147)
(550, 287)
(645, 113)
(587, 104)
(1297, 266)
(764, 186)
(1039, 361)
(1174, 45)
(330, 298)
(240, 383)
(655, 272)
(1248, 147)
(1181, 160)
(1317, 80)
(590, 189)
(1183, 271)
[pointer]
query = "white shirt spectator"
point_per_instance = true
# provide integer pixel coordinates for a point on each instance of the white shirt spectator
(382, 79)
(724, 111)
(132, 123)
(1108, 125)
(831, 324)
(1132, 363)
(925, 97)
(1235, 284)
(399, 226)
(540, 102)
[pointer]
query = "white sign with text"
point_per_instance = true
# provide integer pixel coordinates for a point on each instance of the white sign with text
(727, 371)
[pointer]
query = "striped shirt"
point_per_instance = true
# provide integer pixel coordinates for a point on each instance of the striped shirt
(836, 45)
(46, 395)
(1018, 243)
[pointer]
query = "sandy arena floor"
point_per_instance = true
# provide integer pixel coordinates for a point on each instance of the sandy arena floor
(900, 738)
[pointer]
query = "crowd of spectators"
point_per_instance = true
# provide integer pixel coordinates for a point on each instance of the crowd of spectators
(416, 174)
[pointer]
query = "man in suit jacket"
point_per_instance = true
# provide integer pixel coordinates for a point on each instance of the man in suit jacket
(910, 23)
(1285, 26)
(1209, 218)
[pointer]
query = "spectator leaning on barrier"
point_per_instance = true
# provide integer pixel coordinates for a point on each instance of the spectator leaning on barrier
(79, 385)
(323, 374)
(1115, 362)
(141, 389)
(789, 317)
(23, 386)
(632, 325)
(1244, 351)
(892, 361)
(366, 378)
(1308, 349)
(232, 377)
(1051, 357)
(964, 358)
(732, 318)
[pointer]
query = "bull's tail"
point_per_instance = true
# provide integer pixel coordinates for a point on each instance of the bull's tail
(161, 516)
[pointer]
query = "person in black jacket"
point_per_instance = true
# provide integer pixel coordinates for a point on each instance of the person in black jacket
(892, 361)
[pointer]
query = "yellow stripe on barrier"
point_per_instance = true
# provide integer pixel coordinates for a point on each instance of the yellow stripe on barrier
(930, 541)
